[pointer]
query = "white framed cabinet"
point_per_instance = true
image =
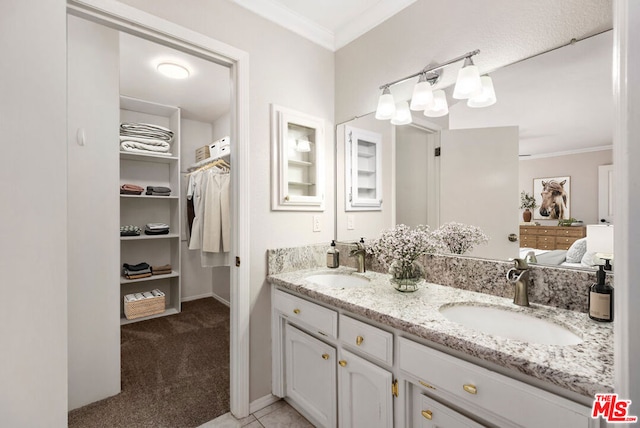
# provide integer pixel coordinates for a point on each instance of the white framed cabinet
(363, 170)
(297, 160)
(149, 169)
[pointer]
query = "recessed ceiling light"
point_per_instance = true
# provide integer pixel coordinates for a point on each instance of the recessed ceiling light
(173, 71)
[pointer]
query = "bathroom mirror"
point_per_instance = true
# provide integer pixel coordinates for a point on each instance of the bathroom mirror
(562, 103)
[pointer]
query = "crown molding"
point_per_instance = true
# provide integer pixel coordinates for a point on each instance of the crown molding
(566, 153)
(290, 20)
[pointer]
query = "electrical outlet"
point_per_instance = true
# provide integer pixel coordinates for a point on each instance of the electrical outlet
(350, 222)
(317, 226)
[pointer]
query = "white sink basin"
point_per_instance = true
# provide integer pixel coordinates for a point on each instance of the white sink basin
(509, 324)
(338, 280)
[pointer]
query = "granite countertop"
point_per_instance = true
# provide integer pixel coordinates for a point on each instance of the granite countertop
(585, 368)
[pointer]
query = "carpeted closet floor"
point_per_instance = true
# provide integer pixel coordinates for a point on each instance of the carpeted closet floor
(175, 372)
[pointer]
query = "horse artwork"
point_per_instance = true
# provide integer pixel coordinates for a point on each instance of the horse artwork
(554, 198)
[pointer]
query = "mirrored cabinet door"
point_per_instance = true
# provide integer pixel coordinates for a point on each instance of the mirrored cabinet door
(297, 161)
(363, 170)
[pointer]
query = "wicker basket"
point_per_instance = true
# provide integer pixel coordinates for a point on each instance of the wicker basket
(144, 307)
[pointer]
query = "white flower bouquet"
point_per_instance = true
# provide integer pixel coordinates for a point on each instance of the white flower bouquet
(458, 238)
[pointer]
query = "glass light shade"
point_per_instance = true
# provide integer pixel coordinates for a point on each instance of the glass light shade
(439, 106)
(402, 115)
(303, 146)
(486, 97)
(422, 95)
(468, 82)
(386, 106)
(172, 70)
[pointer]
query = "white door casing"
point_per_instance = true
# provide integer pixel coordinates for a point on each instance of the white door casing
(125, 18)
(477, 185)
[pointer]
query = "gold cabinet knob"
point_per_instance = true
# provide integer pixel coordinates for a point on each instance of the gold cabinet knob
(428, 414)
(342, 363)
(296, 311)
(286, 198)
(471, 389)
(359, 340)
(325, 356)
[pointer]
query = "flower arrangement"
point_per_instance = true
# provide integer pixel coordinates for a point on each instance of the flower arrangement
(458, 238)
(527, 201)
(402, 244)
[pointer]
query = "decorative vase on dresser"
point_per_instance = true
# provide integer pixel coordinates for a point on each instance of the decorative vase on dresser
(526, 215)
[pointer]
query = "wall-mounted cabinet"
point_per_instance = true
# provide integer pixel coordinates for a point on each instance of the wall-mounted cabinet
(297, 161)
(363, 177)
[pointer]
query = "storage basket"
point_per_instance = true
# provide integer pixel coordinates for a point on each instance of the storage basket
(144, 307)
(202, 153)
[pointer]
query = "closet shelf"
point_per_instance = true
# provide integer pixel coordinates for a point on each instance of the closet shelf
(143, 237)
(147, 158)
(365, 171)
(366, 154)
(149, 278)
(148, 197)
(299, 162)
(169, 311)
(300, 183)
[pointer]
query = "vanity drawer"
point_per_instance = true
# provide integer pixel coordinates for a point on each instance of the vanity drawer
(499, 395)
(299, 311)
(367, 339)
(431, 414)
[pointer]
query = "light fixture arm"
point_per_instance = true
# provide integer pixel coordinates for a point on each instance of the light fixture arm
(432, 69)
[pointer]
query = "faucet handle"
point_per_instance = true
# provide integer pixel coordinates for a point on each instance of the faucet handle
(520, 264)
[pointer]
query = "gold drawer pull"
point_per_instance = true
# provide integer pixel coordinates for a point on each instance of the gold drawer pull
(342, 363)
(296, 311)
(359, 340)
(325, 356)
(428, 414)
(426, 385)
(471, 389)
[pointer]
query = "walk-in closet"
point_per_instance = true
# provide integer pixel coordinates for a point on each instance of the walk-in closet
(148, 308)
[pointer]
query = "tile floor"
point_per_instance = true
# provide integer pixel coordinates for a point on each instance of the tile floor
(277, 415)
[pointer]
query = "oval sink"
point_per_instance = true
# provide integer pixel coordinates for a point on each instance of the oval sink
(337, 280)
(509, 324)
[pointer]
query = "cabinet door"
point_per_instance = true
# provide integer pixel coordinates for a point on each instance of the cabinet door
(428, 413)
(365, 393)
(310, 367)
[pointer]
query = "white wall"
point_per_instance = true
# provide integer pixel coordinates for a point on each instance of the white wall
(290, 71)
(583, 170)
(33, 219)
(222, 126)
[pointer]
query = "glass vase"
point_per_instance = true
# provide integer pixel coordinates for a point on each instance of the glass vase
(406, 277)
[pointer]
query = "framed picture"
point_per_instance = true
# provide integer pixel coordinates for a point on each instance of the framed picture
(552, 197)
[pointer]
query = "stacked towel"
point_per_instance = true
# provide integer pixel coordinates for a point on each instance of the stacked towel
(158, 191)
(129, 230)
(145, 138)
(144, 295)
(161, 270)
(141, 270)
(156, 229)
(131, 189)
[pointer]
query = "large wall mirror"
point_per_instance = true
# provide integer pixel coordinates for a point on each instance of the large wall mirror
(553, 119)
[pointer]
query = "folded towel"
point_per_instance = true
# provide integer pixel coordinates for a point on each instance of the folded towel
(128, 145)
(157, 194)
(158, 189)
(145, 140)
(129, 230)
(139, 266)
(146, 130)
(145, 272)
(163, 267)
(156, 232)
(142, 275)
(161, 272)
(132, 188)
(156, 226)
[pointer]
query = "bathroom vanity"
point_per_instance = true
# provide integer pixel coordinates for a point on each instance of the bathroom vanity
(363, 354)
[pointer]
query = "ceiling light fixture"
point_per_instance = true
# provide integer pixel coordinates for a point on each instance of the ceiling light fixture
(172, 70)
(469, 85)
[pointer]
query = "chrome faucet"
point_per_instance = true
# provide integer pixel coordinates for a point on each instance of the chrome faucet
(359, 253)
(519, 276)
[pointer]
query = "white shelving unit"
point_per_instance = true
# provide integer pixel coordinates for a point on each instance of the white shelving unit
(363, 170)
(151, 170)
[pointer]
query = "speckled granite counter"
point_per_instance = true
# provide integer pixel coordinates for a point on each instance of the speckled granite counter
(586, 368)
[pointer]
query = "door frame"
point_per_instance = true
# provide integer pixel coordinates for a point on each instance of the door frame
(136, 22)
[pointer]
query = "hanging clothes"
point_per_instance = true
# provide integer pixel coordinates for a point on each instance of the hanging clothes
(208, 190)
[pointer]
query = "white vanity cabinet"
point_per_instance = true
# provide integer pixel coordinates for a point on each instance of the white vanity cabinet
(428, 413)
(310, 370)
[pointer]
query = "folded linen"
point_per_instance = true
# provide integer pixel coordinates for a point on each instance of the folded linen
(139, 266)
(145, 152)
(129, 230)
(158, 191)
(142, 275)
(156, 226)
(131, 189)
(145, 140)
(156, 232)
(161, 272)
(127, 145)
(128, 273)
(146, 130)
(159, 268)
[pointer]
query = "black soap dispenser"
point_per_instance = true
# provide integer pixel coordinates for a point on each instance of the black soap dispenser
(601, 299)
(333, 256)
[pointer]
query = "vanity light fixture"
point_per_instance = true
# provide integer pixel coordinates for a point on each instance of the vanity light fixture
(487, 95)
(173, 70)
(469, 85)
(386, 105)
(402, 115)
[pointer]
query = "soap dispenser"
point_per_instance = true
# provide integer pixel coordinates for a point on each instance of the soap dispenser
(601, 299)
(333, 256)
